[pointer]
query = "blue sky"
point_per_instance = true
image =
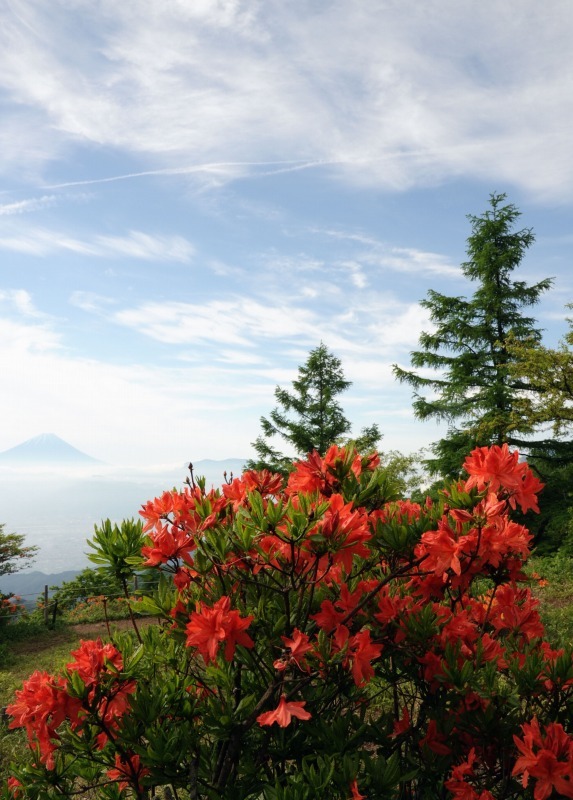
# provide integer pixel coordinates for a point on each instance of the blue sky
(195, 193)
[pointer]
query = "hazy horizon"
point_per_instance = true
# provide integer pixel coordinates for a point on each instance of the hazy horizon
(57, 510)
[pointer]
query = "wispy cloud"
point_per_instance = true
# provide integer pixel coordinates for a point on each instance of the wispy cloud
(365, 91)
(383, 255)
(91, 301)
(185, 404)
(207, 404)
(24, 206)
(21, 301)
(144, 246)
(372, 327)
(239, 321)
(136, 244)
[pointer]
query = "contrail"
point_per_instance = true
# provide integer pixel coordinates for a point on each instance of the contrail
(291, 165)
(282, 167)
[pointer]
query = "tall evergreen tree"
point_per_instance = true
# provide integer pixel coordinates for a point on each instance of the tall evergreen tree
(309, 417)
(474, 392)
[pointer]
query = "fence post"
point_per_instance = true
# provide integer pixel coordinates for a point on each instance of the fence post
(46, 605)
(54, 613)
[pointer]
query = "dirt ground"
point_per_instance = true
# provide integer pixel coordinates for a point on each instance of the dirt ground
(88, 630)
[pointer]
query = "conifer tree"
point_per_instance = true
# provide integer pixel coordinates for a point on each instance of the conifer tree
(474, 392)
(309, 417)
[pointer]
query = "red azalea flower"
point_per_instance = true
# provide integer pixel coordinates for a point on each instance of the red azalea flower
(361, 653)
(169, 543)
(441, 550)
(343, 532)
(208, 627)
(328, 618)
(310, 476)
(515, 610)
(499, 468)
(128, 771)
(94, 657)
(15, 787)
(284, 712)
(355, 793)
(41, 705)
(299, 646)
(548, 759)
(402, 724)
(263, 481)
(435, 740)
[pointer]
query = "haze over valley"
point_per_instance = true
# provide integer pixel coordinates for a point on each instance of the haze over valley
(53, 494)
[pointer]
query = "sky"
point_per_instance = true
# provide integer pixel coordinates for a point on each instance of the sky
(196, 193)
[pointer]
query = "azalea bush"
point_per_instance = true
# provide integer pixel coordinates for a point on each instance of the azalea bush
(10, 607)
(321, 638)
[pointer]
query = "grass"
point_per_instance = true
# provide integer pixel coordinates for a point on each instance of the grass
(43, 650)
(556, 597)
(49, 650)
(27, 647)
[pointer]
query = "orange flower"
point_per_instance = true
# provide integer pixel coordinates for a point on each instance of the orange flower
(283, 713)
(341, 532)
(355, 793)
(401, 725)
(93, 658)
(209, 627)
(498, 468)
(15, 787)
(41, 705)
(358, 651)
(128, 771)
(299, 645)
(548, 759)
(515, 610)
(169, 543)
(435, 740)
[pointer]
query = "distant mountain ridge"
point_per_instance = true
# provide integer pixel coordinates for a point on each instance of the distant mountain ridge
(47, 448)
(30, 585)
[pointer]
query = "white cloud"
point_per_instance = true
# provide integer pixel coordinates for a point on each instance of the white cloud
(206, 406)
(371, 324)
(21, 301)
(382, 255)
(91, 301)
(18, 340)
(120, 414)
(42, 241)
(388, 95)
(24, 206)
(238, 321)
(136, 244)
(143, 246)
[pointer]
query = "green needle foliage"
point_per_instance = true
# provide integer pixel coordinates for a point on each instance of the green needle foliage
(473, 390)
(309, 417)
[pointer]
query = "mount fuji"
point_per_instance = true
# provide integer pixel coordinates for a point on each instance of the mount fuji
(45, 449)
